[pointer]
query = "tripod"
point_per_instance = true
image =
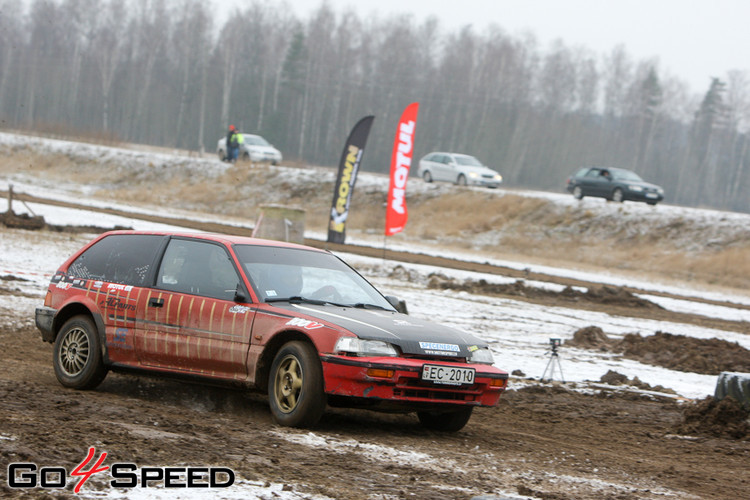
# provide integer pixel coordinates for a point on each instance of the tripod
(553, 358)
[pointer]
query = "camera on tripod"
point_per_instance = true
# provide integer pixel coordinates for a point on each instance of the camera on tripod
(554, 359)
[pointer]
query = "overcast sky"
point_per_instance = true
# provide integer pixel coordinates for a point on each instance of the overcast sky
(692, 39)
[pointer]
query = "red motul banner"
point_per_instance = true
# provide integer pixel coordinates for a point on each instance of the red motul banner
(403, 147)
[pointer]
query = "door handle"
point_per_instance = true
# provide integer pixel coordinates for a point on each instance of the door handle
(154, 302)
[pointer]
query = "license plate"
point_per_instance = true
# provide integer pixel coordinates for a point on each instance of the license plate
(449, 375)
(652, 195)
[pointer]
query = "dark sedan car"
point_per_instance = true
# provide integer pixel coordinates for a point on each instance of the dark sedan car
(616, 184)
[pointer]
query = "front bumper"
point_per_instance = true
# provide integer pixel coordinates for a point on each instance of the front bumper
(490, 183)
(44, 318)
(398, 381)
(647, 196)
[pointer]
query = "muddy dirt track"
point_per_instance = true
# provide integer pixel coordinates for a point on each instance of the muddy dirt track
(542, 441)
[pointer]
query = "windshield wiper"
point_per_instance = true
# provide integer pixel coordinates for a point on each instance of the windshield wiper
(296, 299)
(362, 305)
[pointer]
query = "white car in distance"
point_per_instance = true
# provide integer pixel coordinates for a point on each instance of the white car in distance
(254, 148)
(461, 169)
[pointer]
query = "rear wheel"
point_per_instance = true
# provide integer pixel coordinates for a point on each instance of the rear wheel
(617, 195)
(448, 421)
(461, 181)
(427, 176)
(295, 386)
(578, 193)
(77, 354)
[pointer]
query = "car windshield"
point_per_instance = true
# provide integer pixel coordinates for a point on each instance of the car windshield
(625, 175)
(467, 160)
(255, 140)
(279, 274)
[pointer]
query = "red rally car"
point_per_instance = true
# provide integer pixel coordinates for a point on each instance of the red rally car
(292, 320)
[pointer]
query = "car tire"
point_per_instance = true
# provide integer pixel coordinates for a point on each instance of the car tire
(77, 354)
(578, 193)
(617, 195)
(427, 176)
(652, 203)
(222, 155)
(461, 181)
(295, 386)
(448, 421)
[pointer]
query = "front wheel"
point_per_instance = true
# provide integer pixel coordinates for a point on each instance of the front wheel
(461, 181)
(448, 421)
(295, 386)
(617, 195)
(222, 155)
(77, 354)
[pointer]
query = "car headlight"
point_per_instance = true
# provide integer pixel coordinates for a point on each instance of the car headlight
(361, 347)
(473, 175)
(483, 356)
(660, 190)
(498, 177)
(637, 189)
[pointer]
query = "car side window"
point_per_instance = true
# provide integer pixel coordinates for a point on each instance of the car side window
(594, 172)
(119, 258)
(198, 268)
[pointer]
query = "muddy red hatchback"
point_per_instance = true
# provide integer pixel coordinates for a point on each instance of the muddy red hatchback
(288, 319)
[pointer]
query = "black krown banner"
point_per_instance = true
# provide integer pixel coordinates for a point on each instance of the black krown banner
(351, 157)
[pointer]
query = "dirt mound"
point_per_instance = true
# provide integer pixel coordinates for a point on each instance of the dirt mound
(617, 296)
(590, 337)
(688, 354)
(676, 352)
(718, 418)
(614, 378)
(604, 295)
(23, 221)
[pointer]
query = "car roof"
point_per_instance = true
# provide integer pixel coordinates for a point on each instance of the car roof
(227, 239)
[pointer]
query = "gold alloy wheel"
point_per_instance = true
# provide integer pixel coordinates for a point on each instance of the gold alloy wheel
(74, 352)
(288, 385)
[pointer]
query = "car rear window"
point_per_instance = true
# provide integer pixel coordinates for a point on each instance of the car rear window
(120, 258)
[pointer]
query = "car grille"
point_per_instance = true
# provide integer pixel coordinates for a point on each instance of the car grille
(412, 388)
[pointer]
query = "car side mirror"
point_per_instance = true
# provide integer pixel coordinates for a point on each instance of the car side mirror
(239, 294)
(398, 304)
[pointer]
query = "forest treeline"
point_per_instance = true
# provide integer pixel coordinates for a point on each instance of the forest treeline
(173, 73)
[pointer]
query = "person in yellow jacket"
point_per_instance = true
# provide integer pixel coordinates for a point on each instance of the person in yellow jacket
(234, 142)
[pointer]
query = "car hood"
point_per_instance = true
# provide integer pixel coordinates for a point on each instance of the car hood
(643, 184)
(411, 335)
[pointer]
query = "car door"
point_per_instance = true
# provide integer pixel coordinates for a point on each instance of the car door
(190, 320)
(115, 271)
(442, 172)
(593, 183)
(430, 164)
